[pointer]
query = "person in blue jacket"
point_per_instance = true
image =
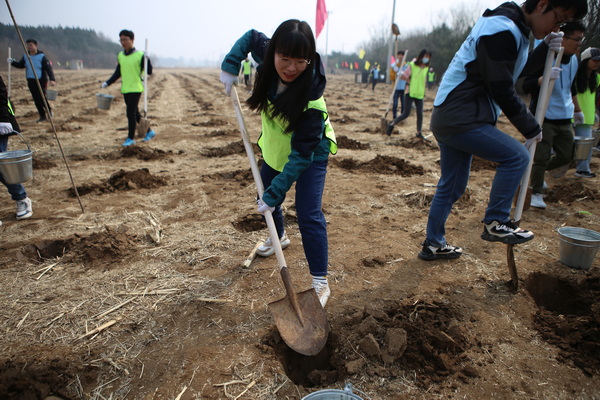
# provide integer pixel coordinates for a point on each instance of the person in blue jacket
(9, 127)
(43, 70)
(479, 84)
(296, 137)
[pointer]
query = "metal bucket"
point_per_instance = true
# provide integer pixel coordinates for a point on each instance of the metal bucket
(16, 166)
(51, 94)
(578, 246)
(596, 136)
(104, 101)
(582, 146)
(334, 394)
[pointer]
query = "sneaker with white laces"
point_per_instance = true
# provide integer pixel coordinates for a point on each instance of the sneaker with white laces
(506, 232)
(447, 252)
(267, 249)
(537, 201)
(322, 289)
(24, 209)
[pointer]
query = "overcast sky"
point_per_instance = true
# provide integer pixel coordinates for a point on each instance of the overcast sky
(206, 29)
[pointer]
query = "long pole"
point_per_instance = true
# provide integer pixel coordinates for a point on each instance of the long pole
(46, 106)
(9, 68)
(389, 56)
(327, 42)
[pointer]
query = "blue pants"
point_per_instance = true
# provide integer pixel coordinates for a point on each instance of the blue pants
(16, 190)
(456, 153)
(311, 220)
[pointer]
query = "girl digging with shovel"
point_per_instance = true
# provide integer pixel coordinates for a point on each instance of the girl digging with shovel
(296, 136)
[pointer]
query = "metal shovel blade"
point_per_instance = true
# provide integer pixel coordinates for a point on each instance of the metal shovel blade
(383, 126)
(301, 320)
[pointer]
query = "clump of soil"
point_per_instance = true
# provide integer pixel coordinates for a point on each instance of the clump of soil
(346, 143)
(478, 164)
(42, 163)
(211, 122)
(122, 180)
(227, 150)
(382, 165)
(569, 317)
(250, 223)
(143, 153)
(570, 192)
(414, 143)
(240, 175)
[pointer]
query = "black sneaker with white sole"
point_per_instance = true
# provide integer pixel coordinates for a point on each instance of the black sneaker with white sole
(507, 233)
(447, 252)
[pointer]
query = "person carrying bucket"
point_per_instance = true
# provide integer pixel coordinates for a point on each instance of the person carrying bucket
(297, 136)
(130, 67)
(43, 71)
(479, 84)
(8, 126)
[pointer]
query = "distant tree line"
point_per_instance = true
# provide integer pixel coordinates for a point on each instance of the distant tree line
(62, 44)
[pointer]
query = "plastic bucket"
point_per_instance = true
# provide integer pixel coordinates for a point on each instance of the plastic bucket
(51, 94)
(104, 101)
(333, 394)
(582, 146)
(16, 166)
(578, 246)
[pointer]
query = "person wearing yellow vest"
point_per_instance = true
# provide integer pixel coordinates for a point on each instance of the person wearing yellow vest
(297, 136)
(130, 68)
(9, 127)
(416, 76)
(430, 78)
(247, 69)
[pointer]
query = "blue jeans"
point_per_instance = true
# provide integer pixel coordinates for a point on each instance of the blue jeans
(311, 220)
(457, 152)
(16, 190)
(586, 132)
(398, 94)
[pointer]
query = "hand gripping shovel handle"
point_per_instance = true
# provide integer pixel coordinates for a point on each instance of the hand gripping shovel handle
(540, 112)
(260, 189)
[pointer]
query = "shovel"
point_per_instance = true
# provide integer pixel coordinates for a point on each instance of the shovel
(144, 124)
(299, 317)
(384, 121)
(543, 98)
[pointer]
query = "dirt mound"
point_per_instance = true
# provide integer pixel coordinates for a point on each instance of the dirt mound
(570, 192)
(100, 248)
(569, 317)
(414, 143)
(381, 164)
(40, 163)
(122, 180)
(346, 143)
(143, 153)
(227, 150)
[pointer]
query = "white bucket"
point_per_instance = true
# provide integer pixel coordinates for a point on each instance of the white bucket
(104, 101)
(51, 94)
(582, 146)
(578, 246)
(16, 166)
(334, 394)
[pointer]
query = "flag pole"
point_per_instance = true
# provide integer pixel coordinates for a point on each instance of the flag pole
(327, 42)
(9, 65)
(389, 57)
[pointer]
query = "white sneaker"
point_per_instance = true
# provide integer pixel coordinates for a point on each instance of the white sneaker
(267, 249)
(323, 291)
(537, 201)
(24, 208)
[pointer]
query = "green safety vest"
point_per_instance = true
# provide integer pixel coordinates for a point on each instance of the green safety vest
(278, 147)
(431, 76)
(247, 67)
(10, 109)
(131, 72)
(418, 76)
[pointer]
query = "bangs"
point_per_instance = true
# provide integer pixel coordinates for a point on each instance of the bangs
(294, 44)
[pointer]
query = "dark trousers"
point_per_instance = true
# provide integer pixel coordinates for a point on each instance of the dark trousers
(398, 94)
(133, 114)
(408, 106)
(38, 99)
(311, 220)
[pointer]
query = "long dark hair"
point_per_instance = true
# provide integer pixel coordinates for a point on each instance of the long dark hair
(294, 39)
(583, 81)
(422, 53)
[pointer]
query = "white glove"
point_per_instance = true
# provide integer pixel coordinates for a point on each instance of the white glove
(262, 206)
(555, 73)
(228, 80)
(535, 139)
(104, 84)
(5, 128)
(554, 40)
(10, 60)
(578, 118)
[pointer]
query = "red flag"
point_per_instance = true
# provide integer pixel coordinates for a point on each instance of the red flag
(321, 16)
